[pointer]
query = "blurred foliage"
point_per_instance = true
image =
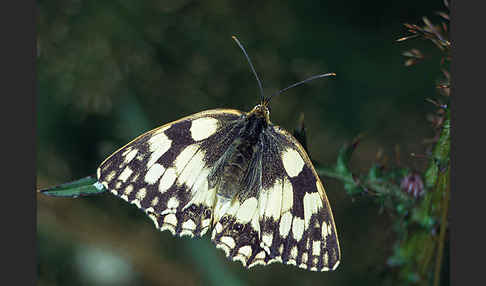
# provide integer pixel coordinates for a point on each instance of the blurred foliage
(110, 70)
(419, 209)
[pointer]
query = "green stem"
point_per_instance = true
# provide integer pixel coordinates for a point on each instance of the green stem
(329, 172)
(443, 227)
(378, 187)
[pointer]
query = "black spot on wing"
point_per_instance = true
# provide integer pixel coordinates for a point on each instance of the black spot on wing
(180, 135)
(304, 183)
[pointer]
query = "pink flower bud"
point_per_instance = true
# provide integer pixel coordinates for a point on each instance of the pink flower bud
(413, 185)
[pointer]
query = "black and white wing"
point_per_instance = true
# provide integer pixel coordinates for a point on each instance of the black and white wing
(164, 171)
(289, 219)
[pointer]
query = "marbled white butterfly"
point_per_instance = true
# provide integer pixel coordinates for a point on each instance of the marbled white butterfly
(235, 173)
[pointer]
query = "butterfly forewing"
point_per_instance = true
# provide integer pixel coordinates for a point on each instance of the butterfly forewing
(164, 171)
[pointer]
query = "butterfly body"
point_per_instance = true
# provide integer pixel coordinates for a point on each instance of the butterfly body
(241, 165)
(236, 174)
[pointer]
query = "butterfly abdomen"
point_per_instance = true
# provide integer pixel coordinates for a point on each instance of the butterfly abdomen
(240, 155)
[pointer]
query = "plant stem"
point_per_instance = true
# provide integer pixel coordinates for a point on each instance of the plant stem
(443, 227)
(329, 172)
(380, 187)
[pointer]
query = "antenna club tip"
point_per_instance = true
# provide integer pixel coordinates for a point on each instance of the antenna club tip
(332, 74)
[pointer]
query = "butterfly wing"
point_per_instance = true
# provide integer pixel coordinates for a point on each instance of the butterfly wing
(302, 231)
(289, 219)
(164, 171)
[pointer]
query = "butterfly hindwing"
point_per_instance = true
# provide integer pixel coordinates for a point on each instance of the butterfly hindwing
(164, 171)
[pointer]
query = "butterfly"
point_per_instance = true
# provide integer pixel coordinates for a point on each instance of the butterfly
(236, 175)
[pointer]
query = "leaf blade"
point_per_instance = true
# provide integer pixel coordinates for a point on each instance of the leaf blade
(86, 186)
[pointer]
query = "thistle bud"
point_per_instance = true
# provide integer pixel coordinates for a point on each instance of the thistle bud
(413, 185)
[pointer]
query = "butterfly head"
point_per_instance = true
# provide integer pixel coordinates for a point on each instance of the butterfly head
(261, 111)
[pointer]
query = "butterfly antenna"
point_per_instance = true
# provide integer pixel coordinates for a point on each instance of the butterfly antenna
(299, 83)
(252, 68)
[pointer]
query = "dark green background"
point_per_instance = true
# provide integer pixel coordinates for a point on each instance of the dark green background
(109, 70)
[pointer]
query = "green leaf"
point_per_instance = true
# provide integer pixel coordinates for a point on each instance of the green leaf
(83, 187)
